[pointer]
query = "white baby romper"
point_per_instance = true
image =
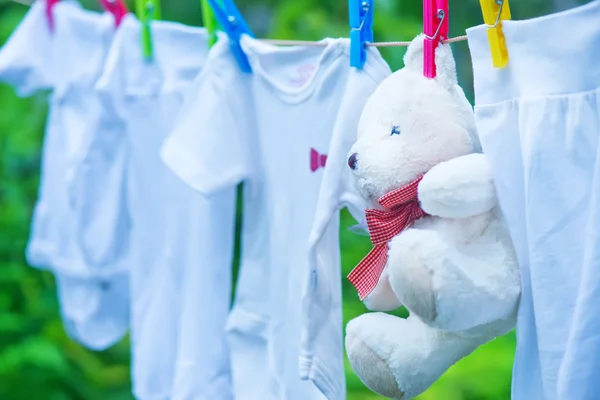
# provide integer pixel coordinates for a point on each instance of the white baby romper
(218, 102)
(94, 284)
(271, 128)
(93, 297)
(182, 244)
(539, 122)
(322, 356)
(26, 64)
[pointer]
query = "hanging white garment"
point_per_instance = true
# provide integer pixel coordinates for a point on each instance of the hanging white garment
(322, 350)
(181, 243)
(92, 282)
(539, 122)
(26, 65)
(273, 130)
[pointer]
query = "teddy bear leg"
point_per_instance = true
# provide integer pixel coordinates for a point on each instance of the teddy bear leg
(382, 298)
(367, 360)
(449, 289)
(401, 358)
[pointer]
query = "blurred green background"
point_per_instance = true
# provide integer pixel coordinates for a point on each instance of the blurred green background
(37, 359)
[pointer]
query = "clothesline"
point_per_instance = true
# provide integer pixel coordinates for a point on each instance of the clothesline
(279, 42)
(374, 44)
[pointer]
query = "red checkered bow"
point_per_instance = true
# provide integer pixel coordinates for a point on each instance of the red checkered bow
(401, 210)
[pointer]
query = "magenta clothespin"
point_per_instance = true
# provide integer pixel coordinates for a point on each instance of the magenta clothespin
(435, 28)
(117, 8)
(49, 17)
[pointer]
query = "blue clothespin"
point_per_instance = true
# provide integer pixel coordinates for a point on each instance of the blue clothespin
(361, 30)
(234, 25)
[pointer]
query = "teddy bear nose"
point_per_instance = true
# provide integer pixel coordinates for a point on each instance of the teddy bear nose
(352, 161)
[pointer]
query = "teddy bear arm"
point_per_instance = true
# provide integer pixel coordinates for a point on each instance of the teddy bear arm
(449, 289)
(459, 188)
(472, 293)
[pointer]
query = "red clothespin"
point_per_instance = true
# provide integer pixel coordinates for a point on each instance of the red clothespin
(435, 27)
(117, 8)
(49, 17)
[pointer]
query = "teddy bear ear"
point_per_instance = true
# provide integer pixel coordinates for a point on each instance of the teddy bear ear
(444, 61)
(446, 76)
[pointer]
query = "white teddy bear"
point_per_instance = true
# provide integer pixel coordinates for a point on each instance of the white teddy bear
(454, 267)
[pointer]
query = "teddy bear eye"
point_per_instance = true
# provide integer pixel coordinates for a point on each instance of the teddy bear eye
(395, 131)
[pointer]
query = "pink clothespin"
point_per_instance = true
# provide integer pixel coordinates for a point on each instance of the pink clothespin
(435, 28)
(117, 8)
(49, 17)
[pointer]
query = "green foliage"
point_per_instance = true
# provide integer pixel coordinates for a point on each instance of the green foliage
(39, 362)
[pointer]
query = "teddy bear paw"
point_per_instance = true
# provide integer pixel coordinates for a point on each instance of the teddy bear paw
(370, 367)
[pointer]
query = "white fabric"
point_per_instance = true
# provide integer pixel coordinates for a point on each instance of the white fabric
(322, 357)
(91, 277)
(260, 128)
(26, 57)
(26, 64)
(182, 243)
(93, 294)
(210, 148)
(539, 122)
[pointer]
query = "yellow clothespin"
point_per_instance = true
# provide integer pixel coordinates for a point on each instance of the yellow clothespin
(494, 12)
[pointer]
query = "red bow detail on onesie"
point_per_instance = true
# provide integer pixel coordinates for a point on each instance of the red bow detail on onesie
(401, 210)
(317, 160)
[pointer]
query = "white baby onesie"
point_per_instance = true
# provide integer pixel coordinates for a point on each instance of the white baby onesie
(218, 103)
(181, 243)
(539, 123)
(322, 356)
(26, 64)
(92, 277)
(271, 128)
(26, 57)
(93, 296)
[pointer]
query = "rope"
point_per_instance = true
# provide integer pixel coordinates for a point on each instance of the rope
(406, 44)
(374, 44)
(312, 43)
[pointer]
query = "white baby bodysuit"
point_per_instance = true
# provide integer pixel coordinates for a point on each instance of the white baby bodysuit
(92, 276)
(272, 129)
(93, 296)
(26, 57)
(26, 64)
(181, 243)
(539, 123)
(322, 356)
(218, 102)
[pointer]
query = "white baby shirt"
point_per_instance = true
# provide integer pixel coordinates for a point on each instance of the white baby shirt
(217, 122)
(539, 123)
(26, 57)
(271, 128)
(181, 244)
(26, 64)
(322, 357)
(93, 296)
(91, 275)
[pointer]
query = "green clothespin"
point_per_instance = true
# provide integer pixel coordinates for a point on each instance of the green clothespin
(147, 11)
(209, 21)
